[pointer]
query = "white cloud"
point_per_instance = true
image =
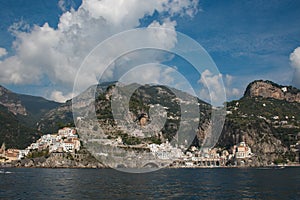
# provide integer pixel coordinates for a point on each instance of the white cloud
(56, 54)
(20, 26)
(3, 52)
(295, 58)
(65, 5)
(158, 74)
(233, 92)
(214, 88)
(228, 79)
(152, 73)
(144, 74)
(295, 62)
(216, 92)
(60, 97)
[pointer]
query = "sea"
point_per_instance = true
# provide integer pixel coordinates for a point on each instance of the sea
(214, 183)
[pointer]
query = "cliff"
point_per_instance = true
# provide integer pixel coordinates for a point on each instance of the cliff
(11, 101)
(19, 114)
(267, 118)
(58, 160)
(268, 89)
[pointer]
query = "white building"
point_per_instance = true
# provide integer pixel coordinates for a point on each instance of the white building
(33, 146)
(68, 146)
(67, 132)
(66, 140)
(22, 153)
(46, 139)
(165, 151)
(71, 145)
(242, 150)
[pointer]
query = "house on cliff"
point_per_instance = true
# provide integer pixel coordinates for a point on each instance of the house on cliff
(242, 150)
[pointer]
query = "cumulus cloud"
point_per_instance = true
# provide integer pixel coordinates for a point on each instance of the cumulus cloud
(58, 96)
(295, 58)
(143, 74)
(153, 73)
(158, 74)
(231, 92)
(56, 53)
(65, 5)
(295, 62)
(3, 52)
(213, 87)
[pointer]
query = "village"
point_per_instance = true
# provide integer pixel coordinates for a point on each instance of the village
(66, 141)
(238, 155)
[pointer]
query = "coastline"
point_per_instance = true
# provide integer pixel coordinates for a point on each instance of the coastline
(100, 166)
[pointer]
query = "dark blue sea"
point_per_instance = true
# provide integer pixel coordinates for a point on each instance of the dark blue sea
(218, 183)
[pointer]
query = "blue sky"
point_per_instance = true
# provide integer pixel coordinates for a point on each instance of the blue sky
(247, 40)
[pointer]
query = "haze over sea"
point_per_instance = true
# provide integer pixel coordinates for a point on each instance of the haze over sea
(217, 183)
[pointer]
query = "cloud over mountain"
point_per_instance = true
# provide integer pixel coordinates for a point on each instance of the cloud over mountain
(295, 62)
(55, 54)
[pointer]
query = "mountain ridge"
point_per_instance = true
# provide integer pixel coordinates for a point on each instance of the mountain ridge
(269, 89)
(267, 118)
(19, 114)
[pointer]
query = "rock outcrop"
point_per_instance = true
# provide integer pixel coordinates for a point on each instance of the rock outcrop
(19, 114)
(267, 118)
(11, 101)
(268, 89)
(58, 160)
(258, 135)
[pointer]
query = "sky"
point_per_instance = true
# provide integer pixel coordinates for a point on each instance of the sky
(45, 44)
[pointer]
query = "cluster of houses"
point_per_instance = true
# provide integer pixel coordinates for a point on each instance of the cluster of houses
(196, 157)
(66, 140)
(9, 154)
(213, 157)
(165, 151)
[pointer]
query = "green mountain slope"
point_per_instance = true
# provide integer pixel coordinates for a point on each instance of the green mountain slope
(141, 100)
(19, 115)
(267, 120)
(267, 117)
(13, 132)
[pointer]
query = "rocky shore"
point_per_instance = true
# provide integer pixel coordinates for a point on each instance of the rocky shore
(49, 163)
(36, 164)
(61, 160)
(65, 162)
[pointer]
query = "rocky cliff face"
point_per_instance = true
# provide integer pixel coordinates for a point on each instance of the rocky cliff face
(58, 160)
(56, 118)
(268, 89)
(267, 118)
(259, 135)
(18, 116)
(143, 99)
(11, 101)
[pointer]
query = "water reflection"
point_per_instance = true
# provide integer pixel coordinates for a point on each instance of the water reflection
(162, 184)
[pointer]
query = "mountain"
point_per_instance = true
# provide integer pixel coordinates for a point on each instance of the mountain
(269, 89)
(14, 132)
(267, 118)
(62, 115)
(19, 114)
(142, 100)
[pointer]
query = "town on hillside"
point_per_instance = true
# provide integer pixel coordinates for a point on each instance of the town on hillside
(66, 140)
